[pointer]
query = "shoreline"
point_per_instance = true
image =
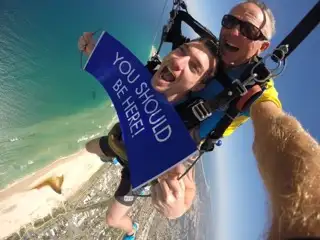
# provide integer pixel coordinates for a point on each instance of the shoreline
(28, 176)
(39, 158)
(20, 205)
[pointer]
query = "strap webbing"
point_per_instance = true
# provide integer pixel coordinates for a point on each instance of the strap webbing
(301, 31)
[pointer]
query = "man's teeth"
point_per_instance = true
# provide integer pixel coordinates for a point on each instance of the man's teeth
(232, 45)
(167, 75)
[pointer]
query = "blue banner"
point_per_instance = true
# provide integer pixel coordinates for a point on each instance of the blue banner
(155, 136)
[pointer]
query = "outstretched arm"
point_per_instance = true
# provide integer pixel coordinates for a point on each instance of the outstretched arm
(289, 163)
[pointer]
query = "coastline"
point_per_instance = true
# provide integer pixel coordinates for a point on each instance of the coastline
(21, 205)
(82, 214)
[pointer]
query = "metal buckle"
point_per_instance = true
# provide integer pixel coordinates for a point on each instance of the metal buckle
(280, 63)
(240, 87)
(200, 111)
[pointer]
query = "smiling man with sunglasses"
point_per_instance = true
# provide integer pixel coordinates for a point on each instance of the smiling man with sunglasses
(245, 33)
(287, 155)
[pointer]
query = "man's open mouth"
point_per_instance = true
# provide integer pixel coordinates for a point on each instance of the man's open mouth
(167, 75)
(230, 47)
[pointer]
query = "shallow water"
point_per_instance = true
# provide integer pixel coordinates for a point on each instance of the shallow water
(49, 107)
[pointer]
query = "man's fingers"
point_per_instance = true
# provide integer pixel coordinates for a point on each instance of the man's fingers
(87, 35)
(163, 177)
(153, 194)
(81, 43)
(86, 39)
(155, 200)
(175, 187)
(166, 191)
(180, 169)
(177, 170)
(182, 185)
(159, 193)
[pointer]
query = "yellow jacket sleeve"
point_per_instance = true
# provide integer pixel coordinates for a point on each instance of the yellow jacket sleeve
(270, 94)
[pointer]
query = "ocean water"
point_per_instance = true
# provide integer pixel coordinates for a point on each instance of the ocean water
(49, 107)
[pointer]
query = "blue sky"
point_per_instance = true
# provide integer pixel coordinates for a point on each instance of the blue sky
(238, 195)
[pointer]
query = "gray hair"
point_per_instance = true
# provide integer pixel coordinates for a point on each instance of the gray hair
(269, 14)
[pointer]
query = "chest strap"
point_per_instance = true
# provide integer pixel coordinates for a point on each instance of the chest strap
(236, 96)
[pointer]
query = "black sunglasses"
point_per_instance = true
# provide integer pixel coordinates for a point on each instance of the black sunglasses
(247, 29)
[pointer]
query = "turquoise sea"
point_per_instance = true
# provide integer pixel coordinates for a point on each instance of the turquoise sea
(49, 107)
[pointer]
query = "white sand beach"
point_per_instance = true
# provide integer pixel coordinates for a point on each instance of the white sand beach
(20, 204)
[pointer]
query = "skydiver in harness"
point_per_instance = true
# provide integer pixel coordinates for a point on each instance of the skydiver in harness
(185, 69)
(246, 33)
(112, 145)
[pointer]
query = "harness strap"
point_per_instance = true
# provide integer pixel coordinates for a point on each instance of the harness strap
(249, 97)
(173, 34)
(222, 125)
(244, 89)
(300, 32)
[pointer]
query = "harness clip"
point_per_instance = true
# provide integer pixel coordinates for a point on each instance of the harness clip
(200, 111)
(240, 87)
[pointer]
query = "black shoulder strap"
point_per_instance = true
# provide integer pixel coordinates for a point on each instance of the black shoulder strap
(175, 36)
(174, 33)
(300, 32)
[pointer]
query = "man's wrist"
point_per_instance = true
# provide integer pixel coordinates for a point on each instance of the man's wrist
(178, 215)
